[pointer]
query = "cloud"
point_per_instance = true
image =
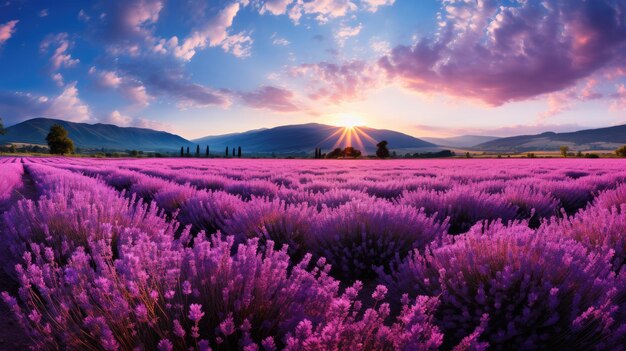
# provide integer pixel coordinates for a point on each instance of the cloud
(619, 102)
(339, 82)
(323, 10)
(16, 107)
(271, 98)
(346, 32)
(276, 40)
(215, 33)
(7, 30)
(60, 44)
(83, 16)
(130, 88)
(275, 7)
(43, 13)
(373, 5)
(119, 119)
(497, 53)
(127, 21)
(58, 79)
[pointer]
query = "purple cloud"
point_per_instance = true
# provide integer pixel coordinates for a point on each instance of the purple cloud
(271, 98)
(498, 53)
(16, 107)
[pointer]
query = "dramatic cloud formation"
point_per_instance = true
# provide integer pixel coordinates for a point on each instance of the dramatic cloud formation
(215, 33)
(17, 106)
(498, 53)
(271, 98)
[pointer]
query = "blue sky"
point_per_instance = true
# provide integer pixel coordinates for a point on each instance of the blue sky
(428, 68)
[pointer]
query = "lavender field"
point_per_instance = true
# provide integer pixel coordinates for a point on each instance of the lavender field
(204, 254)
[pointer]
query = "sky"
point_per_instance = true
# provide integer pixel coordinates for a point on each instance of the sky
(424, 67)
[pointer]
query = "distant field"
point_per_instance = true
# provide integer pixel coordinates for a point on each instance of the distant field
(118, 254)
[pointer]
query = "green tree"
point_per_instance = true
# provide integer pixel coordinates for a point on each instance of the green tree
(239, 152)
(182, 151)
(207, 151)
(382, 151)
(58, 141)
(226, 153)
(351, 152)
(621, 152)
(579, 154)
(188, 154)
(564, 150)
(2, 130)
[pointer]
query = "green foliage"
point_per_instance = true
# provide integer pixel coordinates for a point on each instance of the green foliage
(2, 130)
(347, 152)
(592, 155)
(564, 150)
(579, 154)
(621, 152)
(382, 151)
(58, 141)
(531, 155)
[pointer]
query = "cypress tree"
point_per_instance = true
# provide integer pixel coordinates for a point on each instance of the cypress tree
(233, 152)
(207, 151)
(239, 152)
(182, 151)
(188, 151)
(197, 150)
(227, 151)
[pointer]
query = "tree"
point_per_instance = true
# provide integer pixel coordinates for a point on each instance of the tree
(579, 154)
(197, 150)
(182, 151)
(564, 150)
(382, 151)
(226, 153)
(207, 151)
(351, 152)
(58, 141)
(188, 155)
(2, 130)
(239, 152)
(335, 153)
(621, 152)
(233, 152)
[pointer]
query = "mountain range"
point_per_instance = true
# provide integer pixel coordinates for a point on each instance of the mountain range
(95, 136)
(608, 138)
(462, 141)
(304, 138)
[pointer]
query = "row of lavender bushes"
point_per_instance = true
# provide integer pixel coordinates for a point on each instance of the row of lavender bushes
(100, 269)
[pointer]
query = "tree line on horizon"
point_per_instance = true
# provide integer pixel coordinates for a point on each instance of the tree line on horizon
(59, 143)
(235, 152)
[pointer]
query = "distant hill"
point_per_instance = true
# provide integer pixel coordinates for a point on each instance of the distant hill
(589, 139)
(463, 141)
(304, 138)
(96, 136)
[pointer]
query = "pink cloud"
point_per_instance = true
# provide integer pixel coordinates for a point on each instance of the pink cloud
(339, 82)
(323, 10)
(271, 98)
(275, 7)
(373, 5)
(7, 30)
(497, 54)
(18, 106)
(60, 44)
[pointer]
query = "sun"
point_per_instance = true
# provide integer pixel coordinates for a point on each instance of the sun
(349, 121)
